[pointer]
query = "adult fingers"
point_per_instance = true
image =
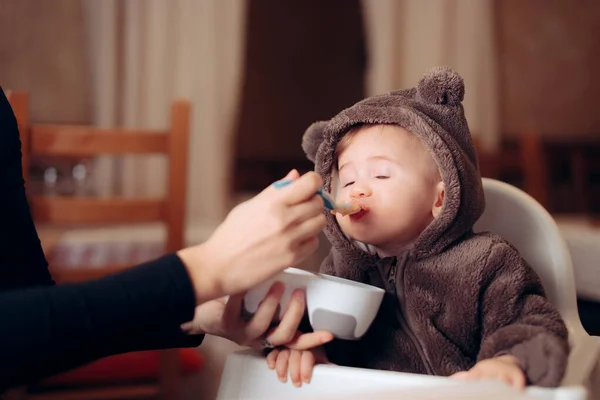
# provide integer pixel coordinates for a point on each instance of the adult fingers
(233, 312)
(306, 210)
(304, 188)
(306, 341)
(309, 228)
(293, 174)
(274, 190)
(287, 328)
(264, 315)
(303, 250)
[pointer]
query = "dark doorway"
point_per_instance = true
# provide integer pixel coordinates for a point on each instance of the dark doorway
(305, 61)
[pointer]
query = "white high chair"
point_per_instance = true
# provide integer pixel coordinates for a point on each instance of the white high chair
(510, 213)
(518, 218)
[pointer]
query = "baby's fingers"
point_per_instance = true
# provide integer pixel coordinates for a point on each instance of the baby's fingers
(307, 364)
(517, 380)
(272, 358)
(463, 375)
(281, 365)
(505, 378)
(294, 367)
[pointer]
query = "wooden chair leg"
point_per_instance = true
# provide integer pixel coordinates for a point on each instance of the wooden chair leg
(535, 168)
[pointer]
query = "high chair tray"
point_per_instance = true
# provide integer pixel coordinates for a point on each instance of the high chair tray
(246, 376)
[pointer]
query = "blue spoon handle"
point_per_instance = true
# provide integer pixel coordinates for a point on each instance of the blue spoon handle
(327, 199)
(282, 183)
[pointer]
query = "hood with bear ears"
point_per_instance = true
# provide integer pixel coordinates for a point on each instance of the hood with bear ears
(433, 112)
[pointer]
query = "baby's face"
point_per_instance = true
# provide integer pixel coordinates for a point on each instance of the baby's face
(390, 174)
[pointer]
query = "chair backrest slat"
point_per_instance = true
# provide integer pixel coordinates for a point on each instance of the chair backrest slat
(64, 140)
(88, 211)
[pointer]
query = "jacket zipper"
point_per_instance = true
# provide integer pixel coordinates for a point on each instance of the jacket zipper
(403, 314)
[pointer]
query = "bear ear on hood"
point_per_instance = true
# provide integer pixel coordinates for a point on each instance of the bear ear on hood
(312, 139)
(441, 85)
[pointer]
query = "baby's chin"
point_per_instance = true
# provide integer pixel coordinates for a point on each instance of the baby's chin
(365, 237)
(380, 240)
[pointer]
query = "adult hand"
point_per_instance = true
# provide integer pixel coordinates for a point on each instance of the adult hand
(276, 229)
(224, 318)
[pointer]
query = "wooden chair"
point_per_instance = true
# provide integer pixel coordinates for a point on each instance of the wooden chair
(536, 164)
(87, 141)
(535, 167)
(488, 161)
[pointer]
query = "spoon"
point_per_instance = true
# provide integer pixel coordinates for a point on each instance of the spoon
(328, 200)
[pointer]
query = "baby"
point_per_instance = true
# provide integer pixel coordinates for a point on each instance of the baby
(457, 303)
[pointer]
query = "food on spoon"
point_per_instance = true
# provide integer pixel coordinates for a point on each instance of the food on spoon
(346, 209)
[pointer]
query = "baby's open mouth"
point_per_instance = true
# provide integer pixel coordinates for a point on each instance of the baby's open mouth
(360, 213)
(359, 210)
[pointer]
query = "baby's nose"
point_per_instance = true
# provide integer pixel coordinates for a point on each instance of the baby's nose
(358, 192)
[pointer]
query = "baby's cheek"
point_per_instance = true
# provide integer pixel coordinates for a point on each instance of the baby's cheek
(342, 222)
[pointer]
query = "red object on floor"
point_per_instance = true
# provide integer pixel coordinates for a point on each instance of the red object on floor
(127, 367)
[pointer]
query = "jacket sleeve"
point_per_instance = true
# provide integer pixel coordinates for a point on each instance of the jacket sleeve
(517, 319)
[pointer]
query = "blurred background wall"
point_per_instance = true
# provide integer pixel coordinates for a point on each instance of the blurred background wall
(258, 72)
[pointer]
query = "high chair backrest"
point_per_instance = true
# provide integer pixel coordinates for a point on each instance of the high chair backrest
(522, 221)
(510, 213)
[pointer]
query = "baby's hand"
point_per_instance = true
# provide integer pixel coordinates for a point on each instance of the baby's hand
(504, 368)
(299, 362)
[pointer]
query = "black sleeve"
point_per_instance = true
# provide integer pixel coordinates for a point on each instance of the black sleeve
(46, 330)
(22, 261)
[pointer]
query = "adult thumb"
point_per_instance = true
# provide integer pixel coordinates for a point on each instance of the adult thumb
(293, 174)
(283, 182)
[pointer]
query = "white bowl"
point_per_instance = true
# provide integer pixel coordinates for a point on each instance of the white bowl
(292, 278)
(343, 307)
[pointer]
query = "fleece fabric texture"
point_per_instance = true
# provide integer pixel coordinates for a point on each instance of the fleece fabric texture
(456, 297)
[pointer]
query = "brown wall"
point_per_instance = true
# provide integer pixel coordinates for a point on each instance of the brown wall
(42, 51)
(549, 66)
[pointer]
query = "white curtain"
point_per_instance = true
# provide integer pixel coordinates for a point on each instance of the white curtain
(407, 37)
(146, 53)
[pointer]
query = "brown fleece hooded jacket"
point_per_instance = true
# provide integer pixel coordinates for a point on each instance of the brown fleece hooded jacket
(456, 297)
